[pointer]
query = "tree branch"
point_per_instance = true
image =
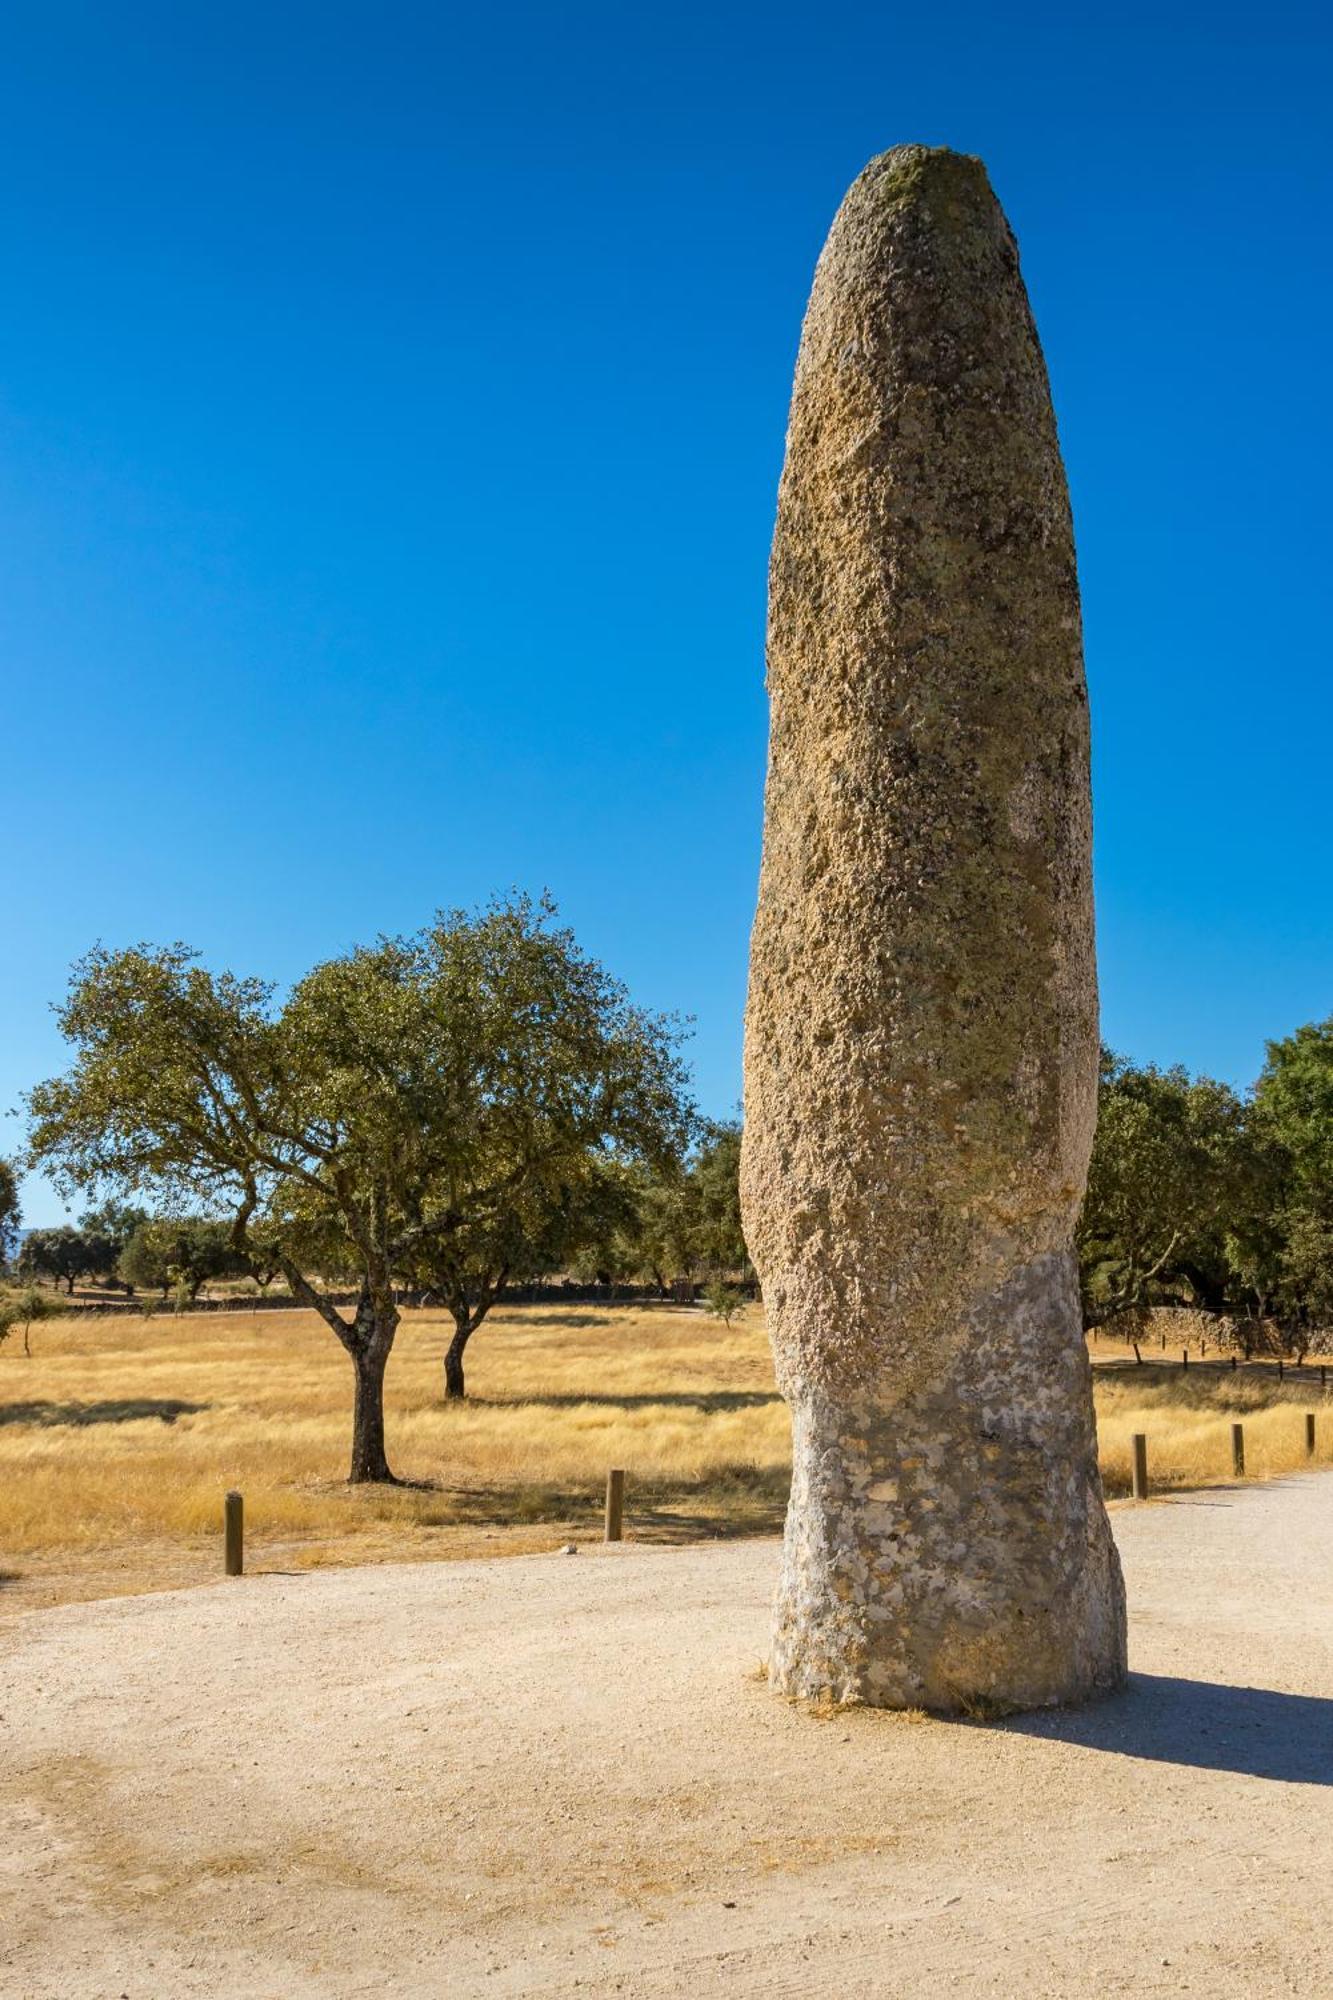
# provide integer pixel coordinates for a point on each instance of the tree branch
(303, 1290)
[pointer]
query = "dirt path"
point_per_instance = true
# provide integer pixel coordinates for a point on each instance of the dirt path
(559, 1773)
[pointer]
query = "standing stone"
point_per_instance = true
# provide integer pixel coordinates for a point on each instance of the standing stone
(921, 1036)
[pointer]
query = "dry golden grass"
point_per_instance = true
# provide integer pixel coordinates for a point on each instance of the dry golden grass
(1187, 1413)
(1187, 1420)
(119, 1436)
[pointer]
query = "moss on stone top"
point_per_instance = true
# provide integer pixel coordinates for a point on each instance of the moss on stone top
(951, 182)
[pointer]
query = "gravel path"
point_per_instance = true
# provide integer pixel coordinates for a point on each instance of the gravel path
(558, 1773)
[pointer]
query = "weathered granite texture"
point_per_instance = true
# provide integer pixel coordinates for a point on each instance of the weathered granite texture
(921, 1036)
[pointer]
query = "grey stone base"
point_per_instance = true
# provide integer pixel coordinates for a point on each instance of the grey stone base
(952, 1552)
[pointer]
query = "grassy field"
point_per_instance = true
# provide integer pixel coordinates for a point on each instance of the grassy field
(119, 1436)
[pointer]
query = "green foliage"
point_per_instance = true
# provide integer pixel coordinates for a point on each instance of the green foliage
(561, 1094)
(419, 1107)
(67, 1254)
(1198, 1196)
(63, 1255)
(20, 1309)
(715, 1170)
(724, 1302)
(180, 1255)
(1171, 1168)
(117, 1220)
(689, 1217)
(1290, 1263)
(10, 1212)
(1304, 1277)
(1293, 1103)
(143, 1264)
(110, 1226)
(1174, 1174)
(578, 1222)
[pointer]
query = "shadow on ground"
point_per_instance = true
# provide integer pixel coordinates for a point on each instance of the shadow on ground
(563, 1319)
(1257, 1732)
(708, 1401)
(734, 1501)
(130, 1410)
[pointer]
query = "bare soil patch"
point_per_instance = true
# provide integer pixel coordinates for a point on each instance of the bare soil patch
(564, 1774)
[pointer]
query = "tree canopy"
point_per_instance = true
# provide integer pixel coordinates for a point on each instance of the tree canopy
(1166, 1176)
(557, 1088)
(186, 1252)
(1199, 1195)
(686, 1218)
(1290, 1259)
(63, 1255)
(22, 1308)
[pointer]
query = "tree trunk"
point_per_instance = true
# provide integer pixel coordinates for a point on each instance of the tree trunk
(454, 1385)
(369, 1462)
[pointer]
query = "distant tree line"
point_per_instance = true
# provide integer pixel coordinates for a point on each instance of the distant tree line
(682, 1222)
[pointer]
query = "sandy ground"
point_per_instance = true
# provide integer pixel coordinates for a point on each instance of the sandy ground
(561, 1773)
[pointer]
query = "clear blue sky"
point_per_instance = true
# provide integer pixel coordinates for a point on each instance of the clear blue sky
(393, 401)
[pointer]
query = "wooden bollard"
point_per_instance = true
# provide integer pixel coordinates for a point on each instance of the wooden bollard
(1140, 1444)
(1233, 1364)
(1184, 1357)
(1309, 1433)
(615, 1505)
(1238, 1450)
(233, 1534)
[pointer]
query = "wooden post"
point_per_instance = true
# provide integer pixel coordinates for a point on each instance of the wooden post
(615, 1504)
(233, 1534)
(1184, 1357)
(1140, 1443)
(1238, 1450)
(1323, 1378)
(1279, 1368)
(1233, 1364)
(1309, 1433)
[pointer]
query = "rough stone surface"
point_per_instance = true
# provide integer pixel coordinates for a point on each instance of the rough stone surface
(921, 1035)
